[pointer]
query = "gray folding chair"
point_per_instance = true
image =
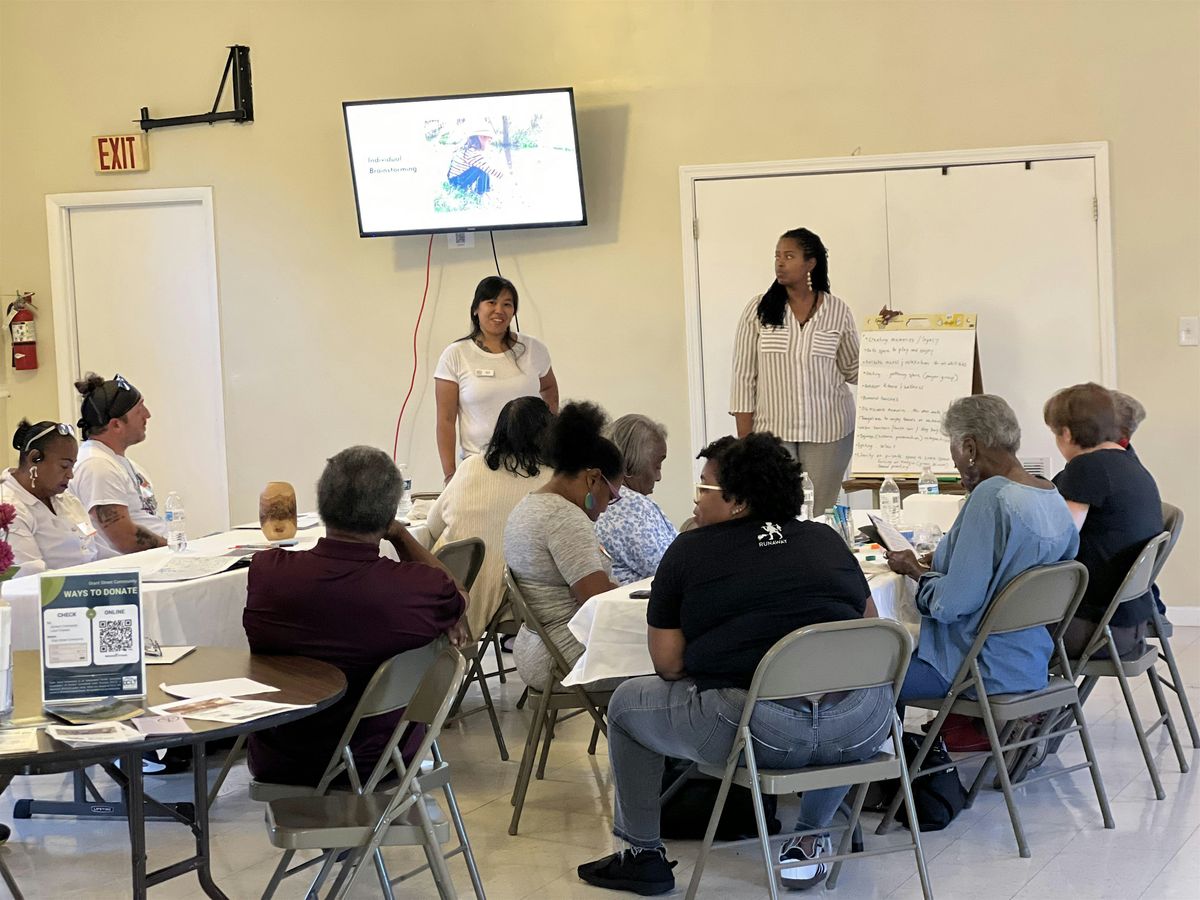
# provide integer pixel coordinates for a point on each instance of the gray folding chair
(1161, 631)
(833, 656)
(464, 559)
(549, 704)
(1091, 669)
(1041, 596)
(377, 815)
(391, 688)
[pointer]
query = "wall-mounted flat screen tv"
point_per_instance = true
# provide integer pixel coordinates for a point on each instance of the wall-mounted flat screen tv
(475, 162)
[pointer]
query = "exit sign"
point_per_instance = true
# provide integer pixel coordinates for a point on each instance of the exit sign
(121, 153)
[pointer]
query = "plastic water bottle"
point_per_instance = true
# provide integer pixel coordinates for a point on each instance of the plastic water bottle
(810, 494)
(176, 522)
(842, 511)
(889, 501)
(928, 483)
(404, 507)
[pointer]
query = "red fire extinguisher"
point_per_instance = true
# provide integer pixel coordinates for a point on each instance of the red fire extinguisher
(23, 332)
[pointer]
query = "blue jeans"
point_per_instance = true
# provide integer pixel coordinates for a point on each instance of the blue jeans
(473, 177)
(921, 682)
(650, 719)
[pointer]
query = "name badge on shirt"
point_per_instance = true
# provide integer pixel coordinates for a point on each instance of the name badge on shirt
(486, 373)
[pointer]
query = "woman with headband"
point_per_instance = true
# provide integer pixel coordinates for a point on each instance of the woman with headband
(115, 491)
(51, 528)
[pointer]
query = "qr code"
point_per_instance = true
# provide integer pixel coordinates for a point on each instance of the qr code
(116, 636)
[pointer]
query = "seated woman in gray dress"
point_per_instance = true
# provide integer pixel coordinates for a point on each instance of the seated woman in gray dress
(550, 542)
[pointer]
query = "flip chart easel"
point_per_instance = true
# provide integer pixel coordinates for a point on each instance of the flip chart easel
(910, 369)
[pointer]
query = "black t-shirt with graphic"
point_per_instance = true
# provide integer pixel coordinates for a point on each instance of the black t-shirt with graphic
(737, 587)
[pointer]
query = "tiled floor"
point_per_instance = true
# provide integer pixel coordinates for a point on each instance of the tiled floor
(1153, 853)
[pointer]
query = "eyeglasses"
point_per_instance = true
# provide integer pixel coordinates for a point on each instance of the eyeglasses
(615, 494)
(700, 488)
(62, 428)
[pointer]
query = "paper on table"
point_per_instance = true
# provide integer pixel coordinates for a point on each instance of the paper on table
(223, 709)
(110, 709)
(88, 735)
(18, 740)
(889, 536)
(169, 655)
(161, 725)
(303, 521)
(225, 687)
(185, 568)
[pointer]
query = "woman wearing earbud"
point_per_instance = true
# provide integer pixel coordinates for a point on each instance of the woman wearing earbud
(794, 357)
(477, 374)
(51, 529)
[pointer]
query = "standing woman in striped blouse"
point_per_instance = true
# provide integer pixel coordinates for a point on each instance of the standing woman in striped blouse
(794, 357)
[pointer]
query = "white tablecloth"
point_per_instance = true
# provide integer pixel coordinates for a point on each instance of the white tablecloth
(612, 626)
(205, 611)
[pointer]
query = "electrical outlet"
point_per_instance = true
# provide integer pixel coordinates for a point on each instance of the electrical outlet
(460, 240)
(1189, 331)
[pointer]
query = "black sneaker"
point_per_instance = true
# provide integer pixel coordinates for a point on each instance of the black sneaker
(645, 872)
(806, 852)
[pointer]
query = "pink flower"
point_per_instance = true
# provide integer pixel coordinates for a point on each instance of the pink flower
(6, 554)
(7, 514)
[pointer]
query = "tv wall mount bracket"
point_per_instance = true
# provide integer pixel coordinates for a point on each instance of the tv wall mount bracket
(238, 62)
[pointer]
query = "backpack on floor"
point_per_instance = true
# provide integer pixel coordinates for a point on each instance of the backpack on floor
(938, 797)
(685, 815)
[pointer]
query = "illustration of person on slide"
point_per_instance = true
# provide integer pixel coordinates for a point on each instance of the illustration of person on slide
(469, 168)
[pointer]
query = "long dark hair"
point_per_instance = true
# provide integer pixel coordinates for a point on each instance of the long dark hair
(489, 289)
(774, 301)
(519, 440)
(576, 442)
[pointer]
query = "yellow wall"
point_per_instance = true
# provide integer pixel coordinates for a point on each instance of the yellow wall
(316, 322)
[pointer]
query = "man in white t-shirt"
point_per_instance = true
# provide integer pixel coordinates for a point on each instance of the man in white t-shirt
(115, 491)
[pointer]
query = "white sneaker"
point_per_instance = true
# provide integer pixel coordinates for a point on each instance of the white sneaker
(806, 851)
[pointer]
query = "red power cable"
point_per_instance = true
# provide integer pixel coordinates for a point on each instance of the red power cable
(416, 328)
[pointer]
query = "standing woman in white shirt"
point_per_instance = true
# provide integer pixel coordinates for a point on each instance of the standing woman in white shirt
(477, 374)
(794, 358)
(51, 528)
(116, 492)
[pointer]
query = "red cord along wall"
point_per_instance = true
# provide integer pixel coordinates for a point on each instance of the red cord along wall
(416, 328)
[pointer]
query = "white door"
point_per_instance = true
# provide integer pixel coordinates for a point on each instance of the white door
(135, 292)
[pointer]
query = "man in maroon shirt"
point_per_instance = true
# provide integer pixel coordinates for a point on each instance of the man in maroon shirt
(341, 602)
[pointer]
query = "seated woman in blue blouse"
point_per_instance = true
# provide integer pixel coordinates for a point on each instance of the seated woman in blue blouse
(1012, 521)
(636, 533)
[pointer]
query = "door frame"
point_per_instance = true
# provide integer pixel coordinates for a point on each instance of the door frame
(62, 287)
(1097, 151)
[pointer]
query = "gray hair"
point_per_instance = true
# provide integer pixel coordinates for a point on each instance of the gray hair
(359, 491)
(985, 417)
(1130, 413)
(635, 436)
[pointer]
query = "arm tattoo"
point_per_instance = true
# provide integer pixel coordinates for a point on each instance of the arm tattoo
(107, 515)
(145, 539)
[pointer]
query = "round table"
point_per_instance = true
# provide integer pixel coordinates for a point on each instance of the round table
(300, 680)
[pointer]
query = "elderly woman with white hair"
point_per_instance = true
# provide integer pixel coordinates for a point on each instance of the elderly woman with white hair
(1012, 521)
(636, 533)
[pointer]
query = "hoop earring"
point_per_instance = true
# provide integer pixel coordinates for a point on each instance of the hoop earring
(33, 476)
(589, 502)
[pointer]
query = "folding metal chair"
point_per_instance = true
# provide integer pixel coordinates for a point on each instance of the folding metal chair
(373, 817)
(464, 559)
(1043, 595)
(549, 704)
(1160, 631)
(833, 656)
(1090, 669)
(391, 687)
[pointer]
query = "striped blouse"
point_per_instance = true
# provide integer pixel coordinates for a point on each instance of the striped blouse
(468, 158)
(795, 378)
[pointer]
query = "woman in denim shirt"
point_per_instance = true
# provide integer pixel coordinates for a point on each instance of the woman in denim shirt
(1012, 521)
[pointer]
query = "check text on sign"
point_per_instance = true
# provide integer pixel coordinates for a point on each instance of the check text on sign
(121, 153)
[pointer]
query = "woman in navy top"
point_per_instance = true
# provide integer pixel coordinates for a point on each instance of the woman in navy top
(1115, 504)
(1012, 521)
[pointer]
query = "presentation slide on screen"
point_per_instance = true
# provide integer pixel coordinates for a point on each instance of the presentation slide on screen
(462, 163)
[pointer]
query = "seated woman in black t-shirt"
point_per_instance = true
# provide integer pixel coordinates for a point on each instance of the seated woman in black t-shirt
(1115, 504)
(723, 595)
